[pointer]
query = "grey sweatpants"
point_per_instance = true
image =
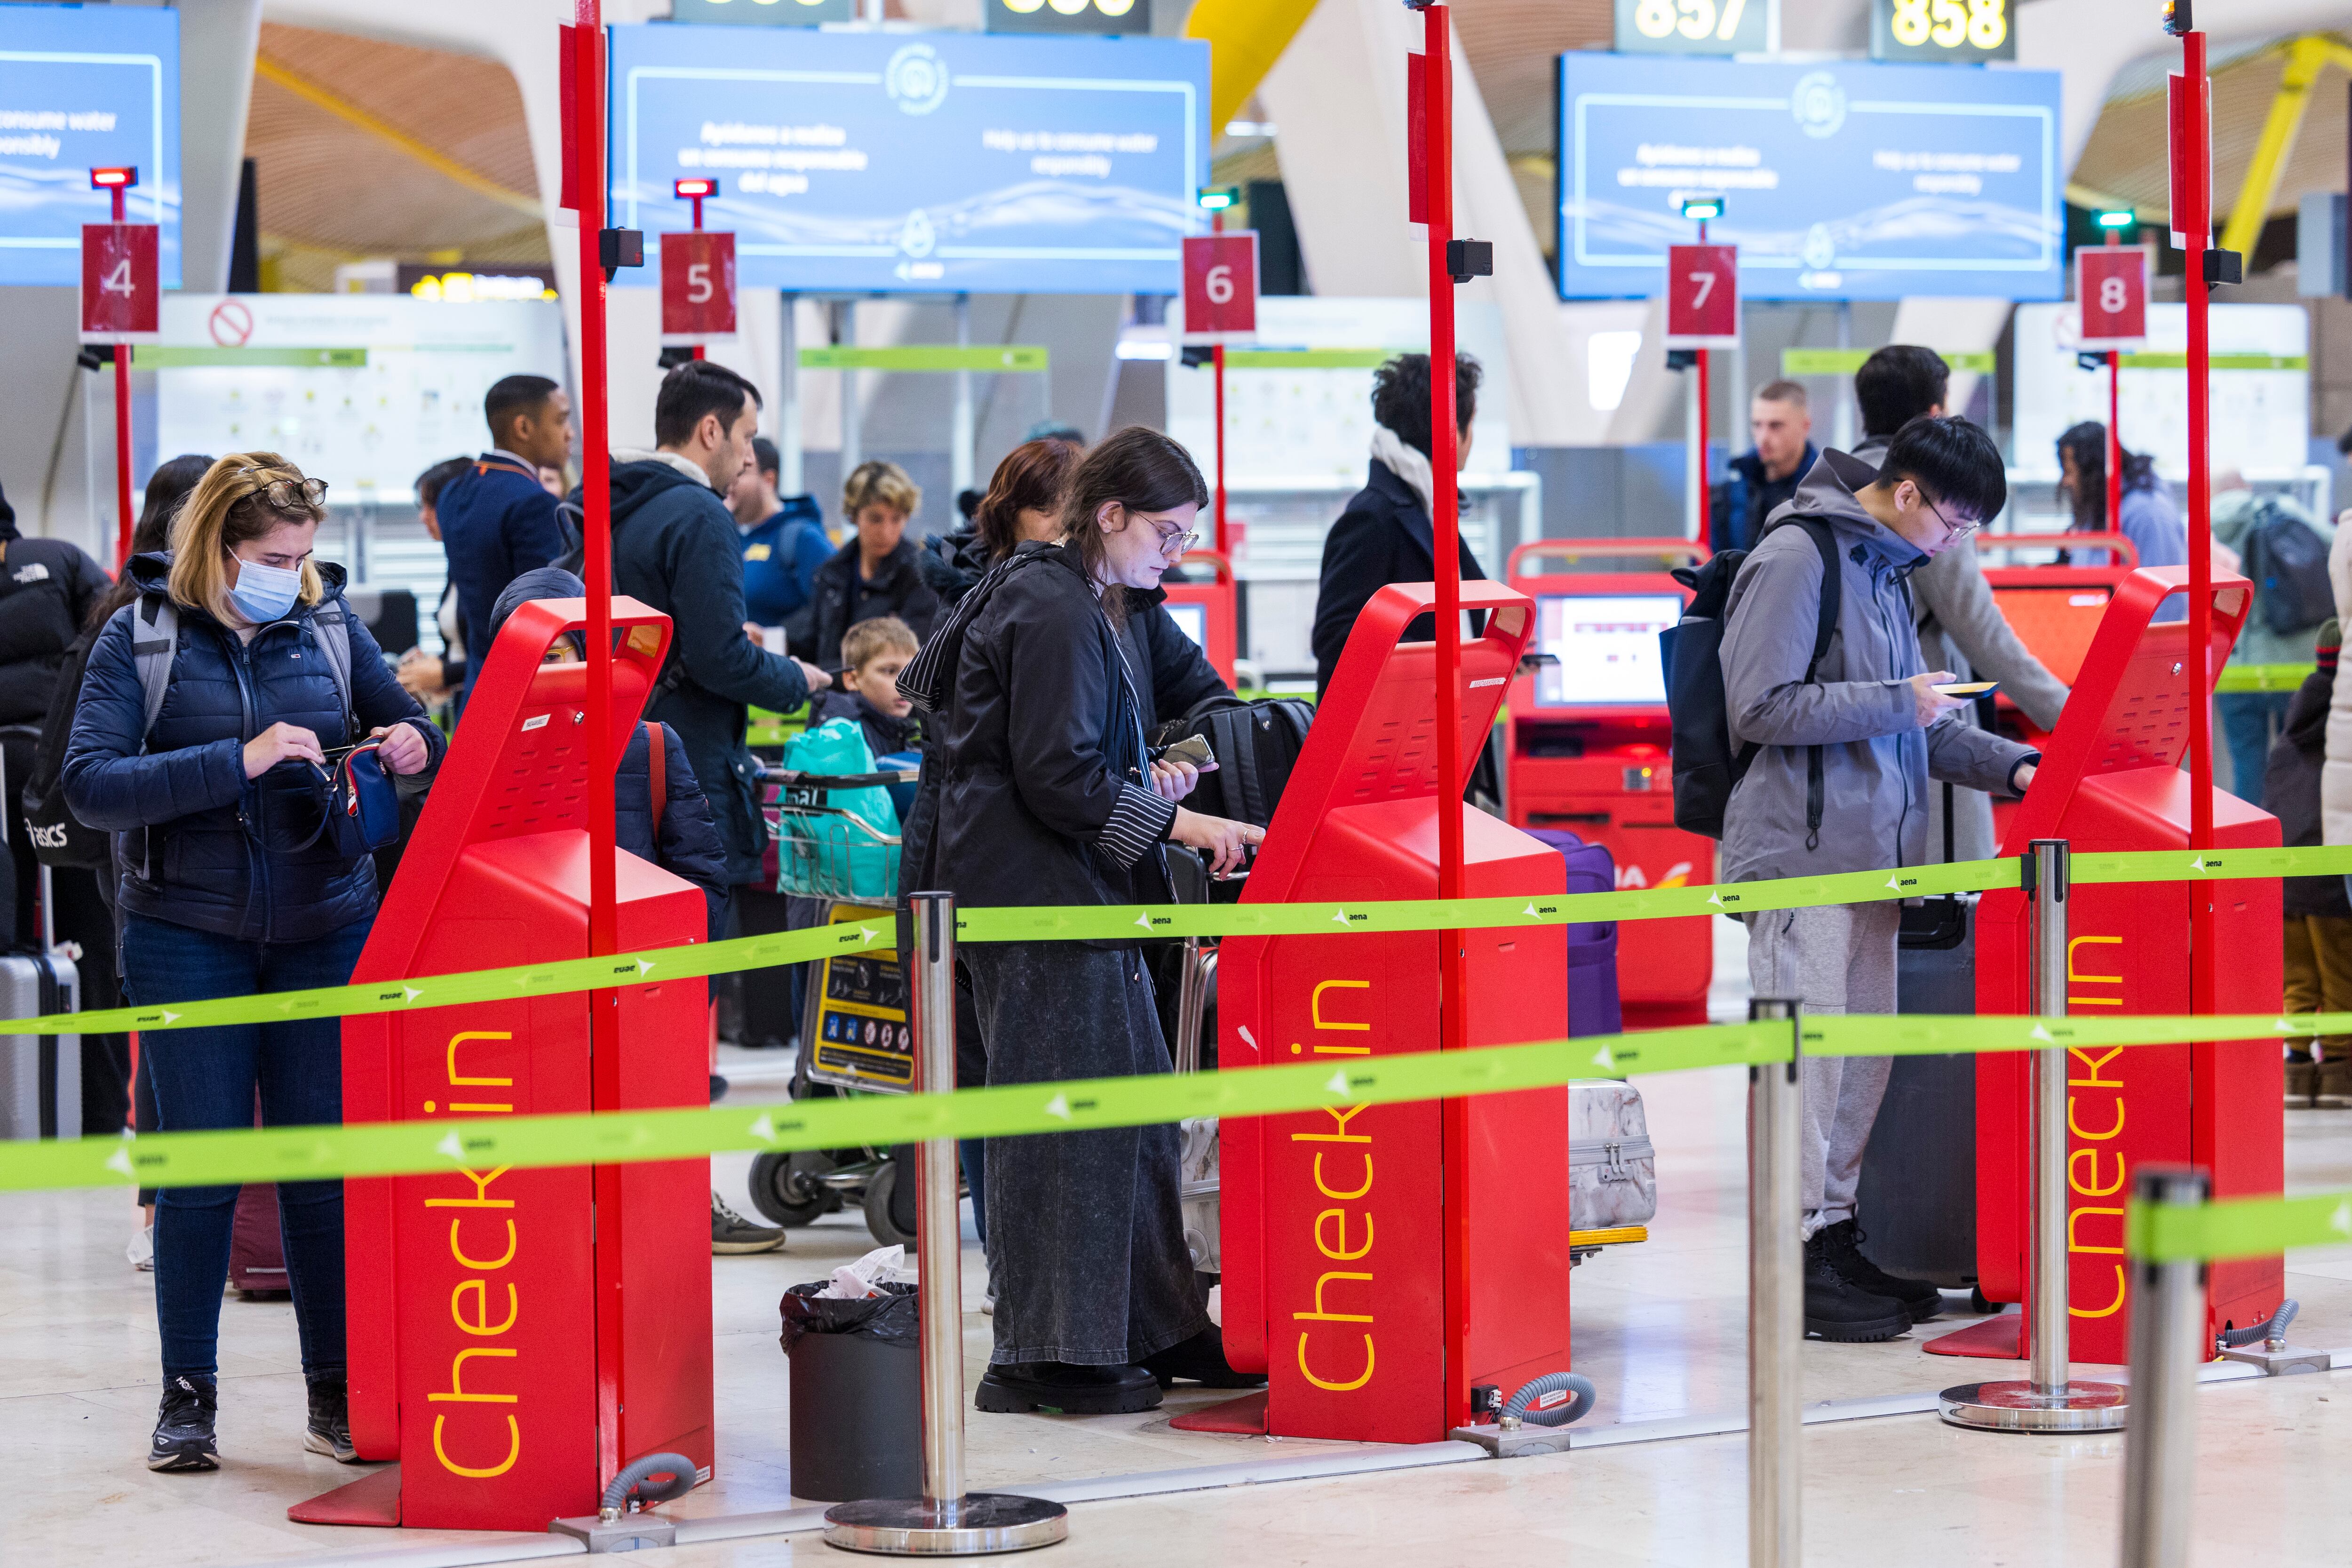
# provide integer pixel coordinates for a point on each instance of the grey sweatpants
(1837, 958)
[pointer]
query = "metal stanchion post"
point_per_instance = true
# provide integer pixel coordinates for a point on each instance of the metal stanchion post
(2047, 1400)
(1776, 1298)
(2167, 1341)
(946, 1521)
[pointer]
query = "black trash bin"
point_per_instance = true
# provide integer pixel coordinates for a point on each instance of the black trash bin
(856, 1394)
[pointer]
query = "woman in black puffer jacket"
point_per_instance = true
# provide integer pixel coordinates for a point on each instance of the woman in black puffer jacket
(234, 892)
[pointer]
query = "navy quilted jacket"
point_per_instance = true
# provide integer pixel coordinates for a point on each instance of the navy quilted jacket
(223, 852)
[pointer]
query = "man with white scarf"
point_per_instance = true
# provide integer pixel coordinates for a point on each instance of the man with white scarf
(1385, 534)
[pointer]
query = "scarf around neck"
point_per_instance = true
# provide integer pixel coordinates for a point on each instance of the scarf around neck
(1391, 453)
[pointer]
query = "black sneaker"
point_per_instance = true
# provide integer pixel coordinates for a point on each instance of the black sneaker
(1202, 1360)
(731, 1233)
(1016, 1388)
(183, 1426)
(1836, 1308)
(1841, 1244)
(330, 1432)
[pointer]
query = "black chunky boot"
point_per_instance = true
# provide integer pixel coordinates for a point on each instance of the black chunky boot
(1842, 1242)
(1836, 1308)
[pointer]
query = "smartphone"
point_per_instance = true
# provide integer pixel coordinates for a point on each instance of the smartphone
(1192, 749)
(1968, 689)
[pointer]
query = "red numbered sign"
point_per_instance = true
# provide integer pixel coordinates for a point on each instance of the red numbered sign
(1221, 288)
(119, 281)
(1702, 296)
(2111, 283)
(698, 287)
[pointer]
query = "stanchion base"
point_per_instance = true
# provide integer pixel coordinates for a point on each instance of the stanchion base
(973, 1525)
(2014, 1407)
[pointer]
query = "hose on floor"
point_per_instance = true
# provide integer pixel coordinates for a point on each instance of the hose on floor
(631, 1484)
(2238, 1338)
(1531, 1405)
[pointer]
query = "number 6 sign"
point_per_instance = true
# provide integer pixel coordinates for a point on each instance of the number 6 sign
(1702, 296)
(120, 287)
(2111, 285)
(698, 287)
(1221, 288)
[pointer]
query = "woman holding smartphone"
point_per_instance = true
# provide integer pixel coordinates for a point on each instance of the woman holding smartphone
(230, 890)
(1047, 797)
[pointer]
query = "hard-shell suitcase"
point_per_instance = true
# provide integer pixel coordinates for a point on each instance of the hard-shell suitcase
(40, 1075)
(1593, 1001)
(1612, 1171)
(256, 1252)
(1917, 1203)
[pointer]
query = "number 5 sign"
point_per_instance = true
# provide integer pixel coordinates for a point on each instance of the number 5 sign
(2111, 285)
(698, 287)
(119, 285)
(1702, 296)
(1221, 288)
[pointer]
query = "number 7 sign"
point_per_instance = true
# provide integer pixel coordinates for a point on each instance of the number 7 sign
(1702, 296)
(119, 281)
(2111, 286)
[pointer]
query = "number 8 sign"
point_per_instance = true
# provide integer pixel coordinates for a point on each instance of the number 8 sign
(1702, 296)
(2111, 286)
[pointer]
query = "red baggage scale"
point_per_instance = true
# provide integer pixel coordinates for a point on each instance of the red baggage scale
(2111, 780)
(517, 1336)
(1335, 1222)
(1588, 740)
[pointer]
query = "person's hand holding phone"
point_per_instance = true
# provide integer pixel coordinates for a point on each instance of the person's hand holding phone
(1928, 704)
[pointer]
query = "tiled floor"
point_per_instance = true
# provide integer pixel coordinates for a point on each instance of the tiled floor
(1659, 1328)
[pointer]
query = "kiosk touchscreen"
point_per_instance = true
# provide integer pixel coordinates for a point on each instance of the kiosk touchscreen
(517, 1335)
(1208, 612)
(2110, 780)
(1337, 1225)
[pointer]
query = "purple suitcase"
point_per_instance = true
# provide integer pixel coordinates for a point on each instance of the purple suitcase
(1593, 1008)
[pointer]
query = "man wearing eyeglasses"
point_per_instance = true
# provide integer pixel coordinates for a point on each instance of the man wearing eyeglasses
(1843, 750)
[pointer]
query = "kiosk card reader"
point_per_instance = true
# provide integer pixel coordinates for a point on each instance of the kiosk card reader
(517, 1335)
(2111, 780)
(1589, 738)
(1335, 1222)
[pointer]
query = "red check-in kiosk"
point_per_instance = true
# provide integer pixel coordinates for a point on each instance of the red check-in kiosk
(1206, 610)
(1335, 1222)
(1588, 750)
(517, 1336)
(2111, 780)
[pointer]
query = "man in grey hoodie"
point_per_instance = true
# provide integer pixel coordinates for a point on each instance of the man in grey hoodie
(1839, 783)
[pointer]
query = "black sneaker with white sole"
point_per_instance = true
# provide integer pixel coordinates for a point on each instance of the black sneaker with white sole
(330, 1431)
(183, 1426)
(1837, 1309)
(1842, 1243)
(731, 1233)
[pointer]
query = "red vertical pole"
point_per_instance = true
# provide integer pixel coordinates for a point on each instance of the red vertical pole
(596, 527)
(124, 516)
(1454, 1034)
(1700, 368)
(700, 350)
(1217, 365)
(2115, 431)
(2197, 180)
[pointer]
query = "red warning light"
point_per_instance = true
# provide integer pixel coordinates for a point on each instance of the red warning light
(113, 179)
(685, 188)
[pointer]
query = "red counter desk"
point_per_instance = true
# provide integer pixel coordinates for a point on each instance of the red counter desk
(1589, 738)
(2055, 611)
(1205, 610)
(2111, 780)
(1335, 1223)
(517, 1336)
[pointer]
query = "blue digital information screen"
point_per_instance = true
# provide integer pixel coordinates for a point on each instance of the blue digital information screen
(1841, 180)
(938, 163)
(85, 87)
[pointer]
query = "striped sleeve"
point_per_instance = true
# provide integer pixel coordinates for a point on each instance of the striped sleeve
(1138, 821)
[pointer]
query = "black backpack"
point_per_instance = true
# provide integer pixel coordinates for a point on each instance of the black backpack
(2288, 561)
(1706, 765)
(1256, 744)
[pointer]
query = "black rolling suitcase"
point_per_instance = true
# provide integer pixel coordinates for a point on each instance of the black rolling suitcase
(40, 1075)
(1919, 1197)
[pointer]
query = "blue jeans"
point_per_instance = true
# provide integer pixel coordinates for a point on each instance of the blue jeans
(2246, 735)
(207, 1079)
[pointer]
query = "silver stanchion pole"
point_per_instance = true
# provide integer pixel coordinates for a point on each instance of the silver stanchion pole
(2167, 1341)
(1776, 1298)
(2047, 1400)
(946, 1521)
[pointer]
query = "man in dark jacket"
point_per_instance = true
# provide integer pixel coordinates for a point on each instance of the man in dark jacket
(675, 547)
(878, 572)
(497, 520)
(784, 542)
(2318, 942)
(1761, 479)
(1385, 534)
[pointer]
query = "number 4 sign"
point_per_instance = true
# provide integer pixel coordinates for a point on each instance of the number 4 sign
(1702, 296)
(698, 287)
(1221, 288)
(2111, 285)
(119, 281)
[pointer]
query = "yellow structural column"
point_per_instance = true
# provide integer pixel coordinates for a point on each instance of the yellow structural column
(1245, 38)
(2305, 58)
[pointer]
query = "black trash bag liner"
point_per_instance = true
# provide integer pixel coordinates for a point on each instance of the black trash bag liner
(890, 1319)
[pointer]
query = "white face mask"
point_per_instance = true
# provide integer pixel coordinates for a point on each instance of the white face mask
(265, 592)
